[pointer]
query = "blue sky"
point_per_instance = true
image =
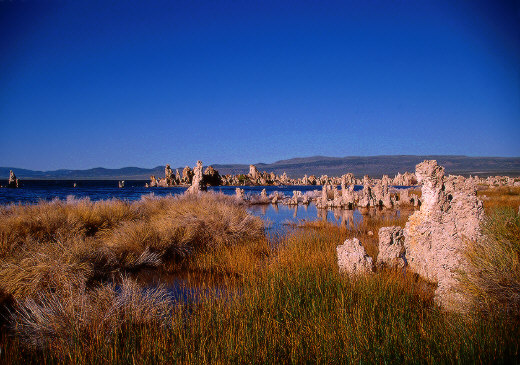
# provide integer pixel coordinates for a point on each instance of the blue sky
(143, 83)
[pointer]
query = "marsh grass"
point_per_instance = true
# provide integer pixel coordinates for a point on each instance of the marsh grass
(367, 230)
(492, 278)
(266, 300)
(60, 246)
(500, 197)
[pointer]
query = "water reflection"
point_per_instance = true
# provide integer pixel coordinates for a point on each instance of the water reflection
(280, 216)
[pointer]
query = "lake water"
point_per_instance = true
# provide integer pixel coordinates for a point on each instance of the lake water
(277, 217)
(33, 191)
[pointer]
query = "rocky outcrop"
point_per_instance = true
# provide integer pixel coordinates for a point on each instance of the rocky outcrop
(406, 179)
(404, 197)
(391, 247)
(322, 200)
(294, 199)
(353, 259)
(211, 177)
(436, 235)
(312, 180)
(377, 187)
(197, 181)
(284, 180)
(433, 241)
(153, 182)
(367, 198)
(348, 198)
(13, 181)
(348, 179)
(187, 175)
(254, 175)
(387, 200)
(169, 176)
(239, 193)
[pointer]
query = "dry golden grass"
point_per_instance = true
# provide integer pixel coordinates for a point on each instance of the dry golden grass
(261, 299)
(61, 246)
(293, 307)
(89, 316)
(500, 197)
(491, 281)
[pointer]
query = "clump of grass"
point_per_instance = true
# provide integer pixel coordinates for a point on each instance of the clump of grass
(61, 246)
(190, 223)
(492, 278)
(23, 225)
(88, 316)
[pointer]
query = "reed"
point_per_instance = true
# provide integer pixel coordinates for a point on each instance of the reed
(276, 299)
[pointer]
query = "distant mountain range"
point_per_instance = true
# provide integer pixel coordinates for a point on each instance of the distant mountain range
(375, 166)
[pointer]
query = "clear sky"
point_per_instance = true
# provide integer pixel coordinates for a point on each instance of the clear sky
(142, 83)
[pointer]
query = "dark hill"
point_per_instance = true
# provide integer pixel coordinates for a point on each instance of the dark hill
(375, 166)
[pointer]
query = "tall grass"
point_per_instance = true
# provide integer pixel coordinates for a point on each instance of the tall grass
(492, 278)
(295, 308)
(500, 197)
(276, 300)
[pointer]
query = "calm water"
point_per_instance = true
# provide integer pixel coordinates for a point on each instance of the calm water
(33, 191)
(276, 217)
(279, 218)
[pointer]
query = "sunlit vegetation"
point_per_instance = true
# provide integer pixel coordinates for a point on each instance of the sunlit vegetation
(500, 197)
(72, 276)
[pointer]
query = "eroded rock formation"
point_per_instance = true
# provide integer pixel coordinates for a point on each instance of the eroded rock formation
(13, 181)
(239, 193)
(367, 198)
(436, 235)
(197, 180)
(169, 176)
(348, 199)
(391, 247)
(211, 177)
(434, 238)
(187, 175)
(353, 258)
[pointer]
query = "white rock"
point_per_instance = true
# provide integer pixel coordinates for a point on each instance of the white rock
(353, 259)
